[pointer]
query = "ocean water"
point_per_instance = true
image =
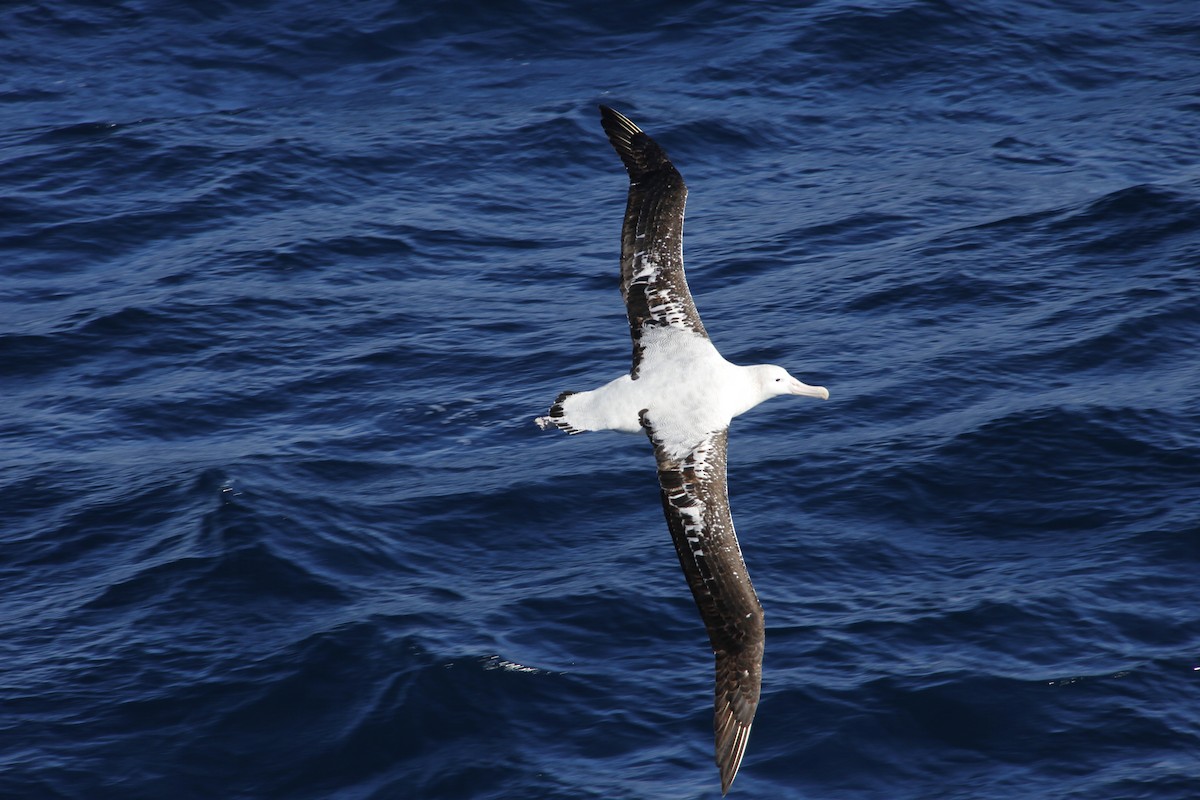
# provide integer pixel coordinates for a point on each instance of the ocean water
(283, 285)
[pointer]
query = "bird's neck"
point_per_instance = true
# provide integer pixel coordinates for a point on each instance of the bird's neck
(748, 392)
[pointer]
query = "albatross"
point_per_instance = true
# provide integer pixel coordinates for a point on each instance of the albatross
(683, 394)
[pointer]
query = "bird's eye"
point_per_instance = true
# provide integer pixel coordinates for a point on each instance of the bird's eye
(777, 380)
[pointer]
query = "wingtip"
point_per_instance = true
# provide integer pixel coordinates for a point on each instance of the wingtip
(610, 117)
(736, 703)
(640, 154)
(730, 749)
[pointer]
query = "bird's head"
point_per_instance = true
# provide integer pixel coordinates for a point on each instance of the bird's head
(776, 380)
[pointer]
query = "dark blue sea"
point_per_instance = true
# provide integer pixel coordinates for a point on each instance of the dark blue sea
(284, 284)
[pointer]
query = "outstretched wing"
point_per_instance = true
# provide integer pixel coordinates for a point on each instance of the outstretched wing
(696, 503)
(652, 280)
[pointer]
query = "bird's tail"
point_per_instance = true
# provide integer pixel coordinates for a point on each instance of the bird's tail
(557, 417)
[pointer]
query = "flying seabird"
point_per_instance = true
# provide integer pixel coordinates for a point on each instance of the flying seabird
(683, 394)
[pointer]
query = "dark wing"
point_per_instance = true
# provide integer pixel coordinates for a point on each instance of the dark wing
(652, 280)
(696, 503)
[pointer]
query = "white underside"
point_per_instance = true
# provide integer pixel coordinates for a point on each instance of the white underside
(687, 388)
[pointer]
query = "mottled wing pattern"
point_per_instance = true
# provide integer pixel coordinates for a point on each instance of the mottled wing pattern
(696, 503)
(652, 280)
